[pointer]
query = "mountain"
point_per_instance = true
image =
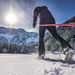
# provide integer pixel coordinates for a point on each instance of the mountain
(17, 40)
(17, 36)
(71, 20)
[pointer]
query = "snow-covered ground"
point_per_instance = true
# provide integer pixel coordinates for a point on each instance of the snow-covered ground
(23, 64)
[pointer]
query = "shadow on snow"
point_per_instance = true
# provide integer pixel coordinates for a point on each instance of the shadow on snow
(60, 60)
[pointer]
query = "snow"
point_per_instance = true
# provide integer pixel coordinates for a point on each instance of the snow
(29, 64)
(8, 36)
(29, 40)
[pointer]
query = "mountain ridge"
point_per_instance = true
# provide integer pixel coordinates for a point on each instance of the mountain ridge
(17, 35)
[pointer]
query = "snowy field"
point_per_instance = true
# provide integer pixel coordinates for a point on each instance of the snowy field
(23, 64)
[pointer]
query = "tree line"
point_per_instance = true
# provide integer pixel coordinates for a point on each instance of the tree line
(17, 48)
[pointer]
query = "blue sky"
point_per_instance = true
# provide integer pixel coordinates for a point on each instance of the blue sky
(61, 10)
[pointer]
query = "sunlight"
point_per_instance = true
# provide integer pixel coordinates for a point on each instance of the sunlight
(11, 18)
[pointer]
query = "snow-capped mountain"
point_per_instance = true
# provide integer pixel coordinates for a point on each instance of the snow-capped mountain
(18, 36)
